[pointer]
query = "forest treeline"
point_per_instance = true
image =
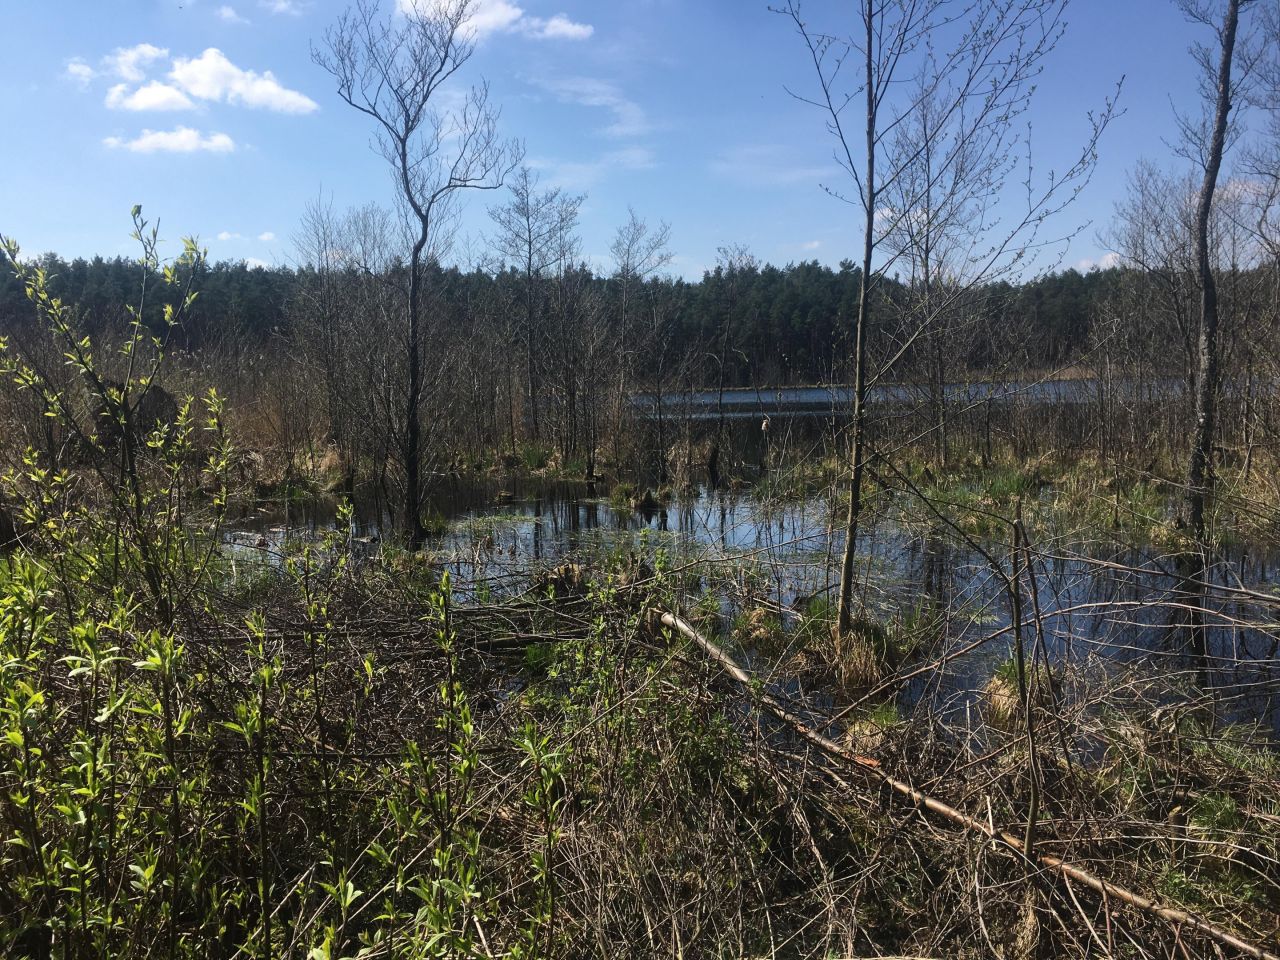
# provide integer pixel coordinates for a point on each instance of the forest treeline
(538, 362)
(789, 324)
(376, 355)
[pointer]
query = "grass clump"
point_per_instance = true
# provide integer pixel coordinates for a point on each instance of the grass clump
(535, 456)
(758, 629)
(622, 495)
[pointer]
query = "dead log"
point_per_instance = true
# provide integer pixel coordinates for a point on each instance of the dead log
(1173, 915)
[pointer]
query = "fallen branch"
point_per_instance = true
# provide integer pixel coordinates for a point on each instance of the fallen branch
(1173, 915)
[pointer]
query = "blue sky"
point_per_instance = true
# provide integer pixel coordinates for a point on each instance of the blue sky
(213, 116)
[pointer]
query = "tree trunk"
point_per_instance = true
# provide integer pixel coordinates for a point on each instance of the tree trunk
(531, 375)
(845, 610)
(1200, 467)
(413, 427)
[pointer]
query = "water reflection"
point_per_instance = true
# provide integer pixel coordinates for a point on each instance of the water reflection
(1096, 599)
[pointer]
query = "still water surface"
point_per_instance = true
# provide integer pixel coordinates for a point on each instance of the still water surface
(1099, 601)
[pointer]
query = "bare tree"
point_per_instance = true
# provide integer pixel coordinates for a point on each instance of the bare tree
(1205, 141)
(349, 301)
(392, 69)
(1152, 233)
(532, 228)
(320, 294)
(639, 252)
(939, 212)
(661, 313)
(961, 73)
(734, 263)
(1262, 167)
(1262, 160)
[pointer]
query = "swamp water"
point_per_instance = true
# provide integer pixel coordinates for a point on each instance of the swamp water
(1103, 604)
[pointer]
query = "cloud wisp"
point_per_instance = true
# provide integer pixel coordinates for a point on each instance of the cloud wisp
(769, 165)
(80, 72)
(576, 175)
(629, 118)
(267, 236)
(288, 8)
(130, 63)
(558, 27)
(490, 17)
(179, 140)
(1104, 262)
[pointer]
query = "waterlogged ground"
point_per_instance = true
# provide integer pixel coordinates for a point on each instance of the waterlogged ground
(1099, 602)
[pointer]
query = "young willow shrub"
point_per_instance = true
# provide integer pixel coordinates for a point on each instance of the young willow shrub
(116, 500)
(180, 777)
(154, 806)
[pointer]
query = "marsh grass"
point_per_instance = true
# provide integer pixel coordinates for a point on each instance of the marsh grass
(338, 759)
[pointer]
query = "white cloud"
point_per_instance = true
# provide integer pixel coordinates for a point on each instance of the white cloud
(292, 8)
(180, 140)
(266, 236)
(152, 96)
(558, 27)
(130, 63)
(492, 16)
(80, 72)
(502, 16)
(629, 119)
(1104, 262)
(253, 263)
(811, 245)
(211, 76)
(228, 14)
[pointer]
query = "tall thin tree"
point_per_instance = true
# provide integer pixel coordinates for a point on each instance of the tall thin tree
(962, 73)
(1206, 141)
(392, 69)
(531, 227)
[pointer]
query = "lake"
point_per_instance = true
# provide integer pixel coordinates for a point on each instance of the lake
(829, 400)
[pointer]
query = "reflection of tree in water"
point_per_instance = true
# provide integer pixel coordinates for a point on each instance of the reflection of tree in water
(1114, 605)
